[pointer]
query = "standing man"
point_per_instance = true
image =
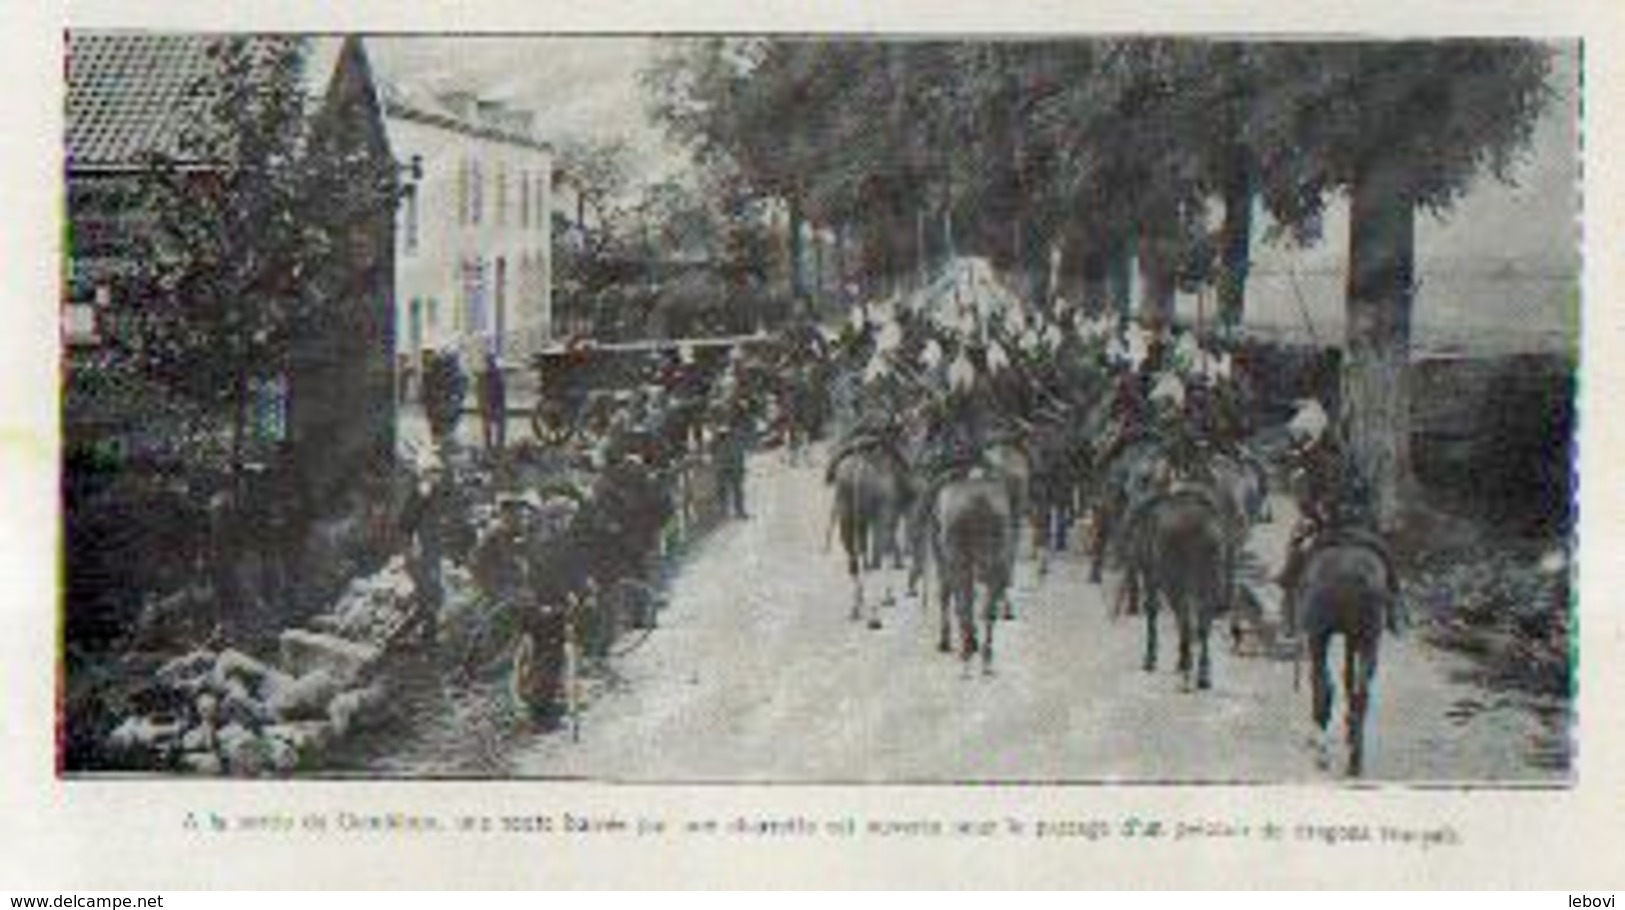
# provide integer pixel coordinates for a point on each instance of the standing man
(424, 524)
(731, 445)
(493, 405)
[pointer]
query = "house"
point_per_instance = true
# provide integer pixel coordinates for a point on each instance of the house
(130, 96)
(473, 247)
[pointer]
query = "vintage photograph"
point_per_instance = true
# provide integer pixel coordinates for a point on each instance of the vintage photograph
(849, 409)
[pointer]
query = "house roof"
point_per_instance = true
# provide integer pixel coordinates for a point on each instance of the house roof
(132, 93)
(404, 103)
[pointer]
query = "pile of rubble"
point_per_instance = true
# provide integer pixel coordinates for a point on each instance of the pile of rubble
(221, 711)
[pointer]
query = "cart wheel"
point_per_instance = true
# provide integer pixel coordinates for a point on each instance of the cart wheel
(633, 603)
(542, 686)
(522, 674)
(551, 426)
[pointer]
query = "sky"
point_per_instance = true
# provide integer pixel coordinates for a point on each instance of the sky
(579, 87)
(587, 87)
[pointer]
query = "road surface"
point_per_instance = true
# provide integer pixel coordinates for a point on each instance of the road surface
(756, 674)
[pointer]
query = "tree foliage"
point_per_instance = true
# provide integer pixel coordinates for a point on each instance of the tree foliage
(252, 233)
(1103, 150)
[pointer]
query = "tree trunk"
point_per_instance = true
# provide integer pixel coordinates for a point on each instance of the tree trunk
(919, 245)
(818, 271)
(1119, 276)
(1380, 294)
(840, 262)
(239, 416)
(1157, 277)
(798, 278)
(1095, 292)
(1235, 242)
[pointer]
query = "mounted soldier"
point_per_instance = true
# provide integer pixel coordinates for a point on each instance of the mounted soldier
(874, 399)
(1334, 505)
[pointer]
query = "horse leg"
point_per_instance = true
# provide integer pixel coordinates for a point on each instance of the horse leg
(995, 592)
(1360, 666)
(874, 607)
(945, 599)
(965, 612)
(1150, 634)
(854, 570)
(896, 533)
(1042, 539)
(1182, 616)
(1011, 556)
(1320, 679)
(1204, 669)
(1097, 546)
(914, 534)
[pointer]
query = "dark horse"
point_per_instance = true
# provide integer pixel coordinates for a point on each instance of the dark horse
(1344, 589)
(1058, 455)
(1181, 555)
(973, 540)
(871, 495)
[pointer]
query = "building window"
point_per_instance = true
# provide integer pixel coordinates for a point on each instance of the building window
(502, 195)
(524, 199)
(414, 326)
(474, 289)
(476, 192)
(540, 221)
(434, 315)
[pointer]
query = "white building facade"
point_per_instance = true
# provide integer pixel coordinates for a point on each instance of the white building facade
(473, 242)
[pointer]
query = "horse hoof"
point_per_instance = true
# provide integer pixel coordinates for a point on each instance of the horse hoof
(942, 647)
(987, 671)
(874, 625)
(1204, 683)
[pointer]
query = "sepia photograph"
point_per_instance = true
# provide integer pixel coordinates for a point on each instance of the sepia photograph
(854, 409)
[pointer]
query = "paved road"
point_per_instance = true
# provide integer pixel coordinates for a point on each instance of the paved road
(757, 675)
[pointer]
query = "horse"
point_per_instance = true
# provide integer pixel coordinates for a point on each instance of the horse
(1129, 476)
(1344, 590)
(871, 494)
(1181, 555)
(971, 522)
(1133, 475)
(1242, 490)
(1058, 451)
(1012, 464)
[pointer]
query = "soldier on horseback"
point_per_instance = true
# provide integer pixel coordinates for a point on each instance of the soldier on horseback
(1334, 504)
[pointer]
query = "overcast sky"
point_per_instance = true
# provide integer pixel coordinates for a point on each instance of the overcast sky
(579, 87)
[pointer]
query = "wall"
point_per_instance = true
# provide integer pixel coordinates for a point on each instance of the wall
(1499, 273)
(432, 271)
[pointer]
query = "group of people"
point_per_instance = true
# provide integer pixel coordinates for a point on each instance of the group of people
(544, 525)
(939, 378)
(935, 379)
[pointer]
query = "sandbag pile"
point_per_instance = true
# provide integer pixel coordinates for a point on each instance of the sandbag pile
(225, 712)
(371, 608)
